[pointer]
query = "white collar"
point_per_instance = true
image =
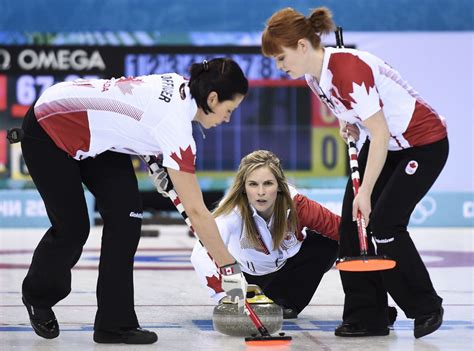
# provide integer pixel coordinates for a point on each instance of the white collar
(270, 222)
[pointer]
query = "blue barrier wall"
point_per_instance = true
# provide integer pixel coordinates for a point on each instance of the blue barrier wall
(436, 209)
(25, 208)
(227, 15)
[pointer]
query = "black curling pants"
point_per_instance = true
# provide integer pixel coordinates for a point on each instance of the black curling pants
(394, 198)
(294, 285)
(59, 179)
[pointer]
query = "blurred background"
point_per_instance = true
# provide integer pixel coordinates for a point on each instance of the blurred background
(430, 42)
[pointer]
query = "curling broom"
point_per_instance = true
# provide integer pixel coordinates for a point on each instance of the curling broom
(362, 263)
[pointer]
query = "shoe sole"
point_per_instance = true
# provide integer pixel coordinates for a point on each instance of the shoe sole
(127, 342)
(39, 333)
(124, 340)
(359, 335)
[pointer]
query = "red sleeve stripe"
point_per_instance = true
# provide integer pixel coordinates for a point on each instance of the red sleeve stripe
(68, 105)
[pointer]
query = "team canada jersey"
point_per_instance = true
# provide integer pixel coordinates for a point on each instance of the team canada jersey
(356, 84)
(264, 260)
(148, 115)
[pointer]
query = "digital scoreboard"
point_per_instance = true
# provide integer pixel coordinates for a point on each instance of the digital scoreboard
(279, 114)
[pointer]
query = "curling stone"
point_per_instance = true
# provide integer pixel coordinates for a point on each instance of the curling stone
(149, 232)
(227, 320)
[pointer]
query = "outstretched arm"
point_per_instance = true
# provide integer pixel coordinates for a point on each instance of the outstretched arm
(207, 272)
(189, 192)
(380, 135)
(232, 279)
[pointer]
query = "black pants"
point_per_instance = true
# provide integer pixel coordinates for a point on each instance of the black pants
(59, 179)
(294, 285)
(394, 198)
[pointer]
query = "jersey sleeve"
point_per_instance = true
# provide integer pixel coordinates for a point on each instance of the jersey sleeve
(316, 217)
(354, 78)
(178, 147)
(206, 270)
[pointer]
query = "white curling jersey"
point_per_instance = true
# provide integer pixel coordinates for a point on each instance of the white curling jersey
(147, 115)
(265, 259)
(356, 84)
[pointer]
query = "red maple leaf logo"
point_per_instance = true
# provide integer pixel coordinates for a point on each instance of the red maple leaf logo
(215, 283)
(186, 161)
(349, 69)
(126, 84)
(412, 164)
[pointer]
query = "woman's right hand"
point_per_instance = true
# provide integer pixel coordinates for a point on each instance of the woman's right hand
(234, 284)
(347, 129)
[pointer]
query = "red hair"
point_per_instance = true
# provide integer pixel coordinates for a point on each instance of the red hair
(287, 26)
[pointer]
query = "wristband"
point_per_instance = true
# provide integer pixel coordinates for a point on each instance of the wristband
(230, 269)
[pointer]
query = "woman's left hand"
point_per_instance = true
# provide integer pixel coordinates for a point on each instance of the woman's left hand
(347, 129)
(362, 204)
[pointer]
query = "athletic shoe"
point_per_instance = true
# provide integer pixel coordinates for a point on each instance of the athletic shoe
(357, 329)
(392, 315)
(42, 320)
(428, 324)
(131, 336)
(289, 313)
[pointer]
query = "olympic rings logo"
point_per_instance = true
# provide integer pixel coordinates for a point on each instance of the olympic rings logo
(424, 209)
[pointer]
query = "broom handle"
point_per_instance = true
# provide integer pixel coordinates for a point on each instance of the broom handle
(354, 165)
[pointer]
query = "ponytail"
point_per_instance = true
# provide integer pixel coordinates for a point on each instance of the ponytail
(321, 20)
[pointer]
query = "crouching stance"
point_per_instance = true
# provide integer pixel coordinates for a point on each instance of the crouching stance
(283, 241)
(82, 133)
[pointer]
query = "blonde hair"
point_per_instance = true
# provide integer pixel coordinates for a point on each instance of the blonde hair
(236, 198)
(285, 27)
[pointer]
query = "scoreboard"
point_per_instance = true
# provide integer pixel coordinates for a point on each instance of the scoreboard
(279, 114)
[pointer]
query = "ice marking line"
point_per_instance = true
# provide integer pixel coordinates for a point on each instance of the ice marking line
(213, 305)
(146, 260)
(315, 340)
(306, 326)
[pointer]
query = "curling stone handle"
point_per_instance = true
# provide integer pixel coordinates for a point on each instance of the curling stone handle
(254, 289)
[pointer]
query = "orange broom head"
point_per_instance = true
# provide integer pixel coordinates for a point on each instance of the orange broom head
(365, 263)
(268, 340)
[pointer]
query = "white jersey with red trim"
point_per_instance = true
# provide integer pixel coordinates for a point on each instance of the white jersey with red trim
(265, 259)
(147, 115)
(356, 84)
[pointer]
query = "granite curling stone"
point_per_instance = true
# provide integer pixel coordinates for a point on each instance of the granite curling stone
(227, 320)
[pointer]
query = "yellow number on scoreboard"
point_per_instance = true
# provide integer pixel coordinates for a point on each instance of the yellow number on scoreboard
(329, 152)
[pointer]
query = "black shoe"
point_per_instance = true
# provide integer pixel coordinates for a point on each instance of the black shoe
(357, 329)
(428, 324)
(131, 336)
(42, 320)
(289, 313)
(392, 315)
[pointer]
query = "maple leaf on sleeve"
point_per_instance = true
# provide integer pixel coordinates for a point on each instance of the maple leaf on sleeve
(186, 160)
(348, 72)
(215, 283)
(366, 96)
